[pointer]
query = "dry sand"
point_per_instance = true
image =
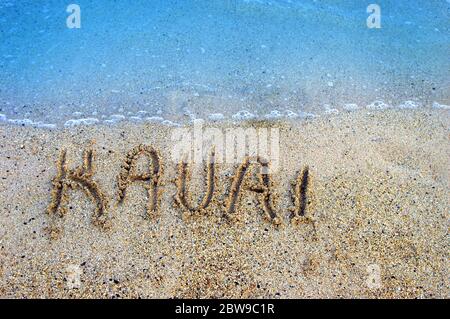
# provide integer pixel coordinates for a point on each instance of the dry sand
(375, 224)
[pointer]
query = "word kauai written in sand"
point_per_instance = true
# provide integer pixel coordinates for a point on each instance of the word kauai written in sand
(251, 175)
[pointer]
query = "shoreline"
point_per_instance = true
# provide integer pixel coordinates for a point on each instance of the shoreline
(376, 207)
(186, 116)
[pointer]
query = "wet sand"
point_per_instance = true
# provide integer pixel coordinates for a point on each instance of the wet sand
(358, 208)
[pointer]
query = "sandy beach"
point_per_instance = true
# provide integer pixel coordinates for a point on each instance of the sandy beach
(368, 219)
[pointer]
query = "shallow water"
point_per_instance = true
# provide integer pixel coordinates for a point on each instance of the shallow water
(179, 60)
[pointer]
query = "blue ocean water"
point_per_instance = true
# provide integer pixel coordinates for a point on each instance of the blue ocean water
(181, 59)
